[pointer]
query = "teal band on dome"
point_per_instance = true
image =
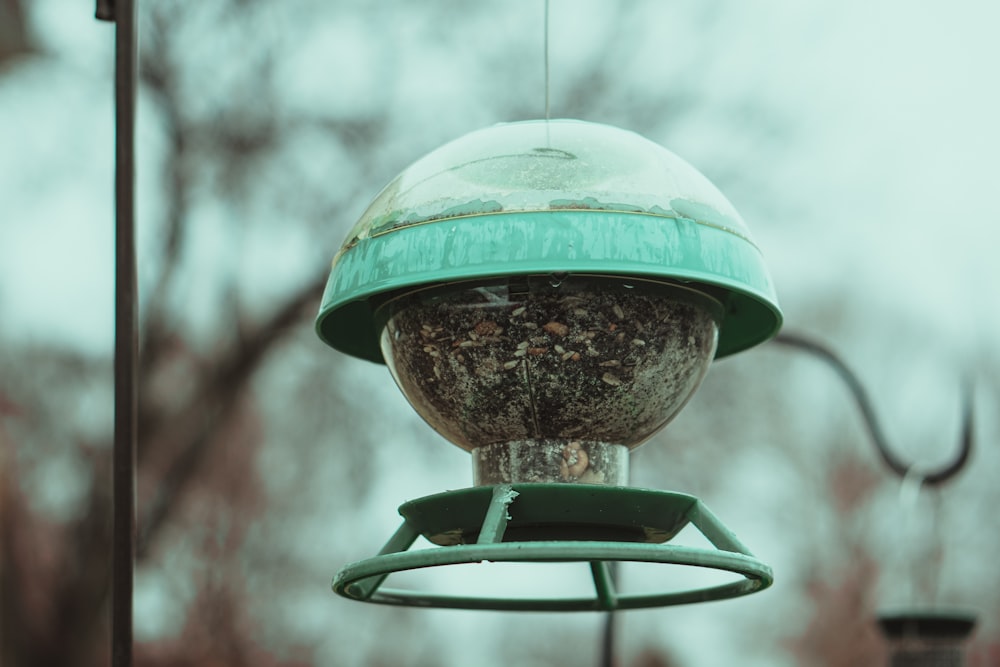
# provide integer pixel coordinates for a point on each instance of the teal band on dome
(629, 245)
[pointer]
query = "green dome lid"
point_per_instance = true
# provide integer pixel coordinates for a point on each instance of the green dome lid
(539, 197)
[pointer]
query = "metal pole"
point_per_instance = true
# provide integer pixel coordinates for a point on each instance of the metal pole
(122, 12)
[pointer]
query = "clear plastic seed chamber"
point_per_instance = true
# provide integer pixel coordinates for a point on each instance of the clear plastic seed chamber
(549, 378)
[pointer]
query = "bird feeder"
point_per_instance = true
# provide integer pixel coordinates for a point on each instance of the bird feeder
(934, 639)
(548, 295)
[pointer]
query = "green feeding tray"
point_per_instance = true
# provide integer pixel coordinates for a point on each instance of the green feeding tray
(542, 198)
(555, 523)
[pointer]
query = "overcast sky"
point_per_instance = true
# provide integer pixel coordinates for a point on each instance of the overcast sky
(888, 187)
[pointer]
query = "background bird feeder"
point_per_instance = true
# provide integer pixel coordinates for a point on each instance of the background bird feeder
(921, 636)
(927, 639)
(548, 295)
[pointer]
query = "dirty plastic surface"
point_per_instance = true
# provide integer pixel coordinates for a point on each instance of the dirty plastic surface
(553, 165)
(566, 362)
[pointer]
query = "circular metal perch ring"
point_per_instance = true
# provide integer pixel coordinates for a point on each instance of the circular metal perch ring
(597, 525)
(757, 575)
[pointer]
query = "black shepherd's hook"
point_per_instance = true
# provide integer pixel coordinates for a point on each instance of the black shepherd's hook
(932, 477)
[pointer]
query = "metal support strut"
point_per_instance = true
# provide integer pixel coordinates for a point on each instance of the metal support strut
(490, 517)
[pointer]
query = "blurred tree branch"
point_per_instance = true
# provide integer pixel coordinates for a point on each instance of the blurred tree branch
(67, 591)
(15, 36)
(158, 76)
(191, 430)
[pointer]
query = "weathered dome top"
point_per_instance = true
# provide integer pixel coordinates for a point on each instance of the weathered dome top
(560, 196)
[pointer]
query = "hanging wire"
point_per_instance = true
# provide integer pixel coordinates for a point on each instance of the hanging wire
(122, 13)
(904, 470)
(909, 540)
(546, 58)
